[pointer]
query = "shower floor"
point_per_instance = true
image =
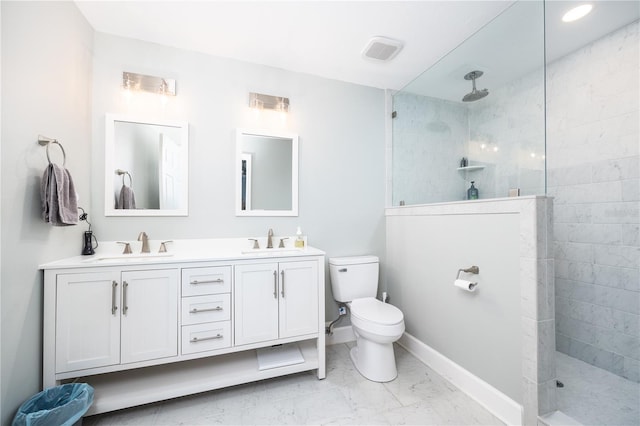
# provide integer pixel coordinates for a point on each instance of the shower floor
(594, 396)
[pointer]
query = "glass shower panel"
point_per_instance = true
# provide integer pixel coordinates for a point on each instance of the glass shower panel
(441, 144)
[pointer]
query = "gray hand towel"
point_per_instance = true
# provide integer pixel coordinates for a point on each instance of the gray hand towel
(58, 194)
(127, 199)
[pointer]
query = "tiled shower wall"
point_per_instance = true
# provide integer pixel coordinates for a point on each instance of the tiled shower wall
(429, 138)
(593, 162)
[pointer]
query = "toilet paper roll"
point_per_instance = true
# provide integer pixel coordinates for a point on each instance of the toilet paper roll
(465, 285)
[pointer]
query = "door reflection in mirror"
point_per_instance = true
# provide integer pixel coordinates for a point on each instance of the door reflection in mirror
(154, 155)
(267, 174)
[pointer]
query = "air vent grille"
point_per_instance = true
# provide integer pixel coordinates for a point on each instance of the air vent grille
(382, 49)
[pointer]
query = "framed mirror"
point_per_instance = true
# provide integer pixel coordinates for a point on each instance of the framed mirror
(266, 173)
(146, 167)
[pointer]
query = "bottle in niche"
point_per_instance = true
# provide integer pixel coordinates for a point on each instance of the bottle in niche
(472, 192)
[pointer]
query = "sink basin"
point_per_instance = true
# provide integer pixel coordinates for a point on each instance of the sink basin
(126, 257)
(274, 251)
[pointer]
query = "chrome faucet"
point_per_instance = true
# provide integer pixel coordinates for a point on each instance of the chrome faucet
(270, 238)
(145, 242)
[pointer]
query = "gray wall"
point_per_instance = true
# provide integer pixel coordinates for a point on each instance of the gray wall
(341, 147)
(46, 89)
(593, 168)
(480, 331)
(74, 78)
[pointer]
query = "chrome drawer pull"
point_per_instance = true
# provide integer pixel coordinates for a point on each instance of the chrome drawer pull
(195, 339)
(196, 310)
(275, 284)
(282, 292)
(114, 307)
(218, 280)
(125, 305)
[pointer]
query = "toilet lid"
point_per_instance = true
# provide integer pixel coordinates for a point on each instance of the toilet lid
(373, 310)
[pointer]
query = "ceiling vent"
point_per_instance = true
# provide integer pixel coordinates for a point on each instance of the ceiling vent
(382, 49)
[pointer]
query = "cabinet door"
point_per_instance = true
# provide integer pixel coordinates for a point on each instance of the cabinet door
(298, 298)
(256, 303)
(87, 320)
(149, 315)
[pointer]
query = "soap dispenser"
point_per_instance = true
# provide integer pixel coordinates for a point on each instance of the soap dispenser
(472, 192)
(299, 243)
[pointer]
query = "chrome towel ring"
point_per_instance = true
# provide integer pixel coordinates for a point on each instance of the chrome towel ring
(45, 141)
(121, 172)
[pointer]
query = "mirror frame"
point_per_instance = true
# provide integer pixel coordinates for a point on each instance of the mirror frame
(109, 163)
(294, 172)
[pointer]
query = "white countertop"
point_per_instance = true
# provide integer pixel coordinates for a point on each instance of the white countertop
(109, 253)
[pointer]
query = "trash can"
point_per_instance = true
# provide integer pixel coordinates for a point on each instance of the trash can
(60, 406)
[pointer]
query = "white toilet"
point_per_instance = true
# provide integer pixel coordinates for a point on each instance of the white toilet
(354, 281)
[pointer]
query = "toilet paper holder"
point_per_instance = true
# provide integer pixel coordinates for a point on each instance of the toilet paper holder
(470, 270)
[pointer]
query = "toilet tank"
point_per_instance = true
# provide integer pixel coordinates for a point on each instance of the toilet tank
(353, 277)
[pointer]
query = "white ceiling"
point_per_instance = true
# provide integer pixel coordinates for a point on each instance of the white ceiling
(323, 38)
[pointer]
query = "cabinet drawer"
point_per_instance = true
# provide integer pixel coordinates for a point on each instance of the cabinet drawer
(199, 309)
(206, 337)
(198, 281)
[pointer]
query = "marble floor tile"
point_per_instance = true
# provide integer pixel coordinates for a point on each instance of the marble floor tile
(418, 396)
(594, 396)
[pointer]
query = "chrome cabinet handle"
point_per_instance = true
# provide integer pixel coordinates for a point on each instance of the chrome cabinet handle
(275, 284)
(125, 307)
(114, 307)
(202, 339)
(282, 292)
(217, 280)
(196, 310)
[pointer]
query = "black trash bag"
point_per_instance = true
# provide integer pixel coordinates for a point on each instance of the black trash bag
(60, 406)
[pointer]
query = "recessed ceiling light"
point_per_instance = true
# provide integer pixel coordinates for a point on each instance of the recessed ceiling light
(577, 13)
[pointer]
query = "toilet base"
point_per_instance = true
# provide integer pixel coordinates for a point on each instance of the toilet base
(375, 361)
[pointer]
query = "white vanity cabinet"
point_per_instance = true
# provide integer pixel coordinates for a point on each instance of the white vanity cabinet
(108, 318)
(144, 329)
(275, 300)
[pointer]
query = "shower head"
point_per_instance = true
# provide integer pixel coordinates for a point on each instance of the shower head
(475, 94)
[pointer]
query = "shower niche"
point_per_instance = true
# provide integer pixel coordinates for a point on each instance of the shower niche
(482, 102)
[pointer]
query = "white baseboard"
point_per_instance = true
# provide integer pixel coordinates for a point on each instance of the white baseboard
(486, 395)
(340, 335)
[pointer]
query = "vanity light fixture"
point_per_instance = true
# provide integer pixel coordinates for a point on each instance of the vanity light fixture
(276, 103)
(149, 83)
(577, 13)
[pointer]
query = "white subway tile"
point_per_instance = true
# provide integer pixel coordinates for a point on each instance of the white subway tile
(616, 169)
(631, 190)
(612, 276)
(601, 192)
(623, 256)
(630, 235)
(595, 233)
(621, 212)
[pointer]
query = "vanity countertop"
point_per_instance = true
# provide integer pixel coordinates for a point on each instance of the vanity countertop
(109, 253)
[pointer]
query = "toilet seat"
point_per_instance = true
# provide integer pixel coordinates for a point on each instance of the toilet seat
(373, 311)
